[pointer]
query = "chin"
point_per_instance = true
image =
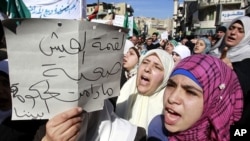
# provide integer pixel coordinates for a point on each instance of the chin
(171, 129)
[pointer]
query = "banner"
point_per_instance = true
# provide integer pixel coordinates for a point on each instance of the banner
(57, 64)
(58, 9)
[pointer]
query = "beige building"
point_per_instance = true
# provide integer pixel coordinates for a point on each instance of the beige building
(201, 17)
(149, 25)
(144, 25)
(108, 10)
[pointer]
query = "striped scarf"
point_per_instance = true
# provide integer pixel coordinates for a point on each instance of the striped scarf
(223, 99)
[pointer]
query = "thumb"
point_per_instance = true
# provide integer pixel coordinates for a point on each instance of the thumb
(224, 53)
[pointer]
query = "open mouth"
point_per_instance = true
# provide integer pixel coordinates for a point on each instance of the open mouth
(171, 117)
(144, 80)
(230, 38)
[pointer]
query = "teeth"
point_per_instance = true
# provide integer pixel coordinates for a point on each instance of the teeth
(171, 111)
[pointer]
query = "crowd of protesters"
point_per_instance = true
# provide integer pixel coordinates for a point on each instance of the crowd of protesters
(193, 89)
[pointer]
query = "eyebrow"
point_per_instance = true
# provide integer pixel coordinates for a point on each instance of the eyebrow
(184, 86)
(152, 61)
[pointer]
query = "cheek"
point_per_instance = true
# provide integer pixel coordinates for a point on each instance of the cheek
(158, 78)
(178, 58)
(240, 37)
(192, 116)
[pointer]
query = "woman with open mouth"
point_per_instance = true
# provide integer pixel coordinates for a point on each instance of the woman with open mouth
(141, 96)
(202, 99)
(234, 50)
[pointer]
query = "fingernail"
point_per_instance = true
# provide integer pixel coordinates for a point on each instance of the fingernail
(79, 109)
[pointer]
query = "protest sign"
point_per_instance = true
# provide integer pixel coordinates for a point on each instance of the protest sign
(164, 35)
(57, 64)
(58, 9)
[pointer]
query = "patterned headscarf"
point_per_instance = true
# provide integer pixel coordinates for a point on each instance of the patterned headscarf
(223, 99)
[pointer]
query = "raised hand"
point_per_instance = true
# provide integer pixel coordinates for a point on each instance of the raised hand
(64, 126)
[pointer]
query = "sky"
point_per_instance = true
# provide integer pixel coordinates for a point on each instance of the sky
(161, 9)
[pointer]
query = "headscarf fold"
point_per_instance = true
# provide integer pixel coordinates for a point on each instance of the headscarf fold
(242, 50)
(223, 99)
(139, 109)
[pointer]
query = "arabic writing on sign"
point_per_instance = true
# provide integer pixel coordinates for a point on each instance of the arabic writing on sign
(66, 9)
(227, 16)
(62, 67)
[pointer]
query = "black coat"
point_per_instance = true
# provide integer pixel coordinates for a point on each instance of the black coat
(242, 70)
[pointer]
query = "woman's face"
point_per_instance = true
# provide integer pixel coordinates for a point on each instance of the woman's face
(130, 60)
(199, 47)
(183, 103)
(169, 48)
(176, 57)
(150, 75)
(234, 34)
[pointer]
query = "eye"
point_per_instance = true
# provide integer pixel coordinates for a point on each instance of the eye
(192, 93)
(169, 84)
(158, 67)
(144, 62)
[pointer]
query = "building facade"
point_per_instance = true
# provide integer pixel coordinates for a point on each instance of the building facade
(202, 17)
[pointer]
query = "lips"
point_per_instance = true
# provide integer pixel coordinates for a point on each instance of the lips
(144, 80)
(229, 38)
(171, 116)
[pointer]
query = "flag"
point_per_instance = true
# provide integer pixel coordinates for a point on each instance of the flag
(135, 28)
(94, 13)
(125, 23)
(17, 9)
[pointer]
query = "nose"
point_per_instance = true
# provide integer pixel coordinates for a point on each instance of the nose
(174, 97)
(147, 68)
(233, 31)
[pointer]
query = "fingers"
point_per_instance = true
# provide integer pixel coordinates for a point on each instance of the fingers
(72, 133)
(224, 53)
(60, 118)
(64, 126)
(71, 125)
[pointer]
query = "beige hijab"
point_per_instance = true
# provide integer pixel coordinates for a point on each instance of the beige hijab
(139, 109)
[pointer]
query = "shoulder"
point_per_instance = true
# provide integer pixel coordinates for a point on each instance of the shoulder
(156, 122)
(156, 129)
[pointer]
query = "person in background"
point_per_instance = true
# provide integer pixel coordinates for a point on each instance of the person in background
(140, 43)
(170, 45)
(235, 52)
(180, 52)
(184, 40)
(134, 39)
(148, 45)
(220, 32)
(130, 64)
(202, 46)
(202, 99)
(141, 96)
(155, 40)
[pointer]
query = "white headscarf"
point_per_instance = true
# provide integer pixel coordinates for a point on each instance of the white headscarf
(140, 109)
(242, 50)
(182, 50)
